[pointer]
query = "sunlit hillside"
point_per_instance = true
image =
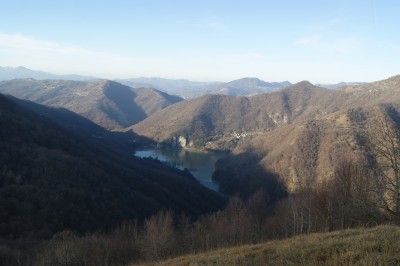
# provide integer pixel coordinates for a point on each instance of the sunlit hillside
(373, 246)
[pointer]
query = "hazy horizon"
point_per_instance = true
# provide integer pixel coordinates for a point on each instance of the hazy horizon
(322, 42)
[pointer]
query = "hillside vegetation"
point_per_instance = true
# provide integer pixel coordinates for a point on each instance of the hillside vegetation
(372, 246)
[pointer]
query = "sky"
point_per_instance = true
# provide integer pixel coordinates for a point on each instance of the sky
(324, 41)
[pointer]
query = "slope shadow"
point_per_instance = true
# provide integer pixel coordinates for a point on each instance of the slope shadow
(128, 113)
(242, 175)
(82, 127)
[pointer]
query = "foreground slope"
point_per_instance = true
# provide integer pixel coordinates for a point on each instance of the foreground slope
(107, 103)
(373, 246)
(51, 180)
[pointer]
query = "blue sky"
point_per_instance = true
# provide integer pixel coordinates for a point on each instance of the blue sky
(320, 41)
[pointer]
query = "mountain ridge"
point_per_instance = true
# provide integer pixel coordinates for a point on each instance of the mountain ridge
(262, 112)
(20, 72)
(246, 87)
(107, 103)
(218, 115)
(189, 89)
(181, 87)
(335, 86)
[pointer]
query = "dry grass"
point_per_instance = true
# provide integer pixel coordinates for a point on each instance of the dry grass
(373, 246)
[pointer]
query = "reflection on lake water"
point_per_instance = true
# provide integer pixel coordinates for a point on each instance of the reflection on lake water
(200, 164)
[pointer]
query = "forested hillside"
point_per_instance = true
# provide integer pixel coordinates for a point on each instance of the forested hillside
(51, 180)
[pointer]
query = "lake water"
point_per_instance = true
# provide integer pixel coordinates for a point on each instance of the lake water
(200, 164)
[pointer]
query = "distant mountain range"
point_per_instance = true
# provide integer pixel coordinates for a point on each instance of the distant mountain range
(190, 89)
(243, 87)
(339, 85)
(180, 87)
(9, 73)
(107, 103)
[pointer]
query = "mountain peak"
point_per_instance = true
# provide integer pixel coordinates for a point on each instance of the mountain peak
(107, 82)
(21, 68)
(304, 83)
(301, 85)
(394, 78)
(247, 79)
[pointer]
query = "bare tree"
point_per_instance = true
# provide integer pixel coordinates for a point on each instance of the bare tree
(159, 236)
(61, 250)
(348, 192)
(384, 141)
(307, 153)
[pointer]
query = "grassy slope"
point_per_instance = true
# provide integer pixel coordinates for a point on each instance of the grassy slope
(372, 246)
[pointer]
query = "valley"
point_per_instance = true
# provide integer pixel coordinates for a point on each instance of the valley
(201, 164)
(199, 133)
(209, 172)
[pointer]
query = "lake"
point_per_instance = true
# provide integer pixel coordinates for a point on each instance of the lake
(200, 164)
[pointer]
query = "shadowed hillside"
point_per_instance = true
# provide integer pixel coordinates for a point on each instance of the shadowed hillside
(120, 142)
(50, 180)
